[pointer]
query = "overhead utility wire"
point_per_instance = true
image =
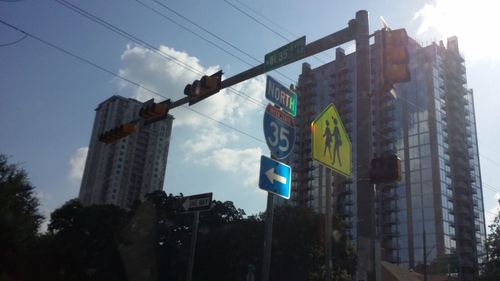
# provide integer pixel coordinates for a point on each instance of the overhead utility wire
(256, 20)
(144, 44)
(216, 36)
(80, 58)
(194, 33)
(264, 25)
(119, 76)
(266, 18)
(15, 42)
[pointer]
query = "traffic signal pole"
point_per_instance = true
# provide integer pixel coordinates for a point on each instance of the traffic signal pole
(365, 193)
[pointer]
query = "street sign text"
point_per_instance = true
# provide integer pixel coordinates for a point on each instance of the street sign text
(281, 96)
(284, 55)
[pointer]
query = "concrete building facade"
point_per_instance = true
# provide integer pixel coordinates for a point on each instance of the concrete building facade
(122, 172)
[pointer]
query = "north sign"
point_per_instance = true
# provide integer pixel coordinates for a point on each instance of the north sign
(279, 131)
(197, 203)
(275, 177)
(281, 96)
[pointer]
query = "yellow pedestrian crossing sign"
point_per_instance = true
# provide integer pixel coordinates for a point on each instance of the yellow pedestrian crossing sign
(330, 143)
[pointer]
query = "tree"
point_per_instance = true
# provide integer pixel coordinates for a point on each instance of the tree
(491, 268)
(84, 243)
(19, 220)
(298, 246)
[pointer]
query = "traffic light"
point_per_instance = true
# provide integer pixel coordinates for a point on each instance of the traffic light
(117, 133)
(152, 111)
(203, 88)
(395, 56)
(385, 169)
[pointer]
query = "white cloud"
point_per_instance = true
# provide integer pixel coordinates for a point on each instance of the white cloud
(244, 162)
(77, 164)
(169, 77)
(473, 22)
(43, 196)
(206, 140)
(491, 213)
(46, 220)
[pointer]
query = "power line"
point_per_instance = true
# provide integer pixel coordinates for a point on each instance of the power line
(266, 18)
(490, 160)
(80, 58)
(226, 125)
(489, 186)
(119, 76)
(256, 20)
(192, 32)
(264, 25)
(144, 44)
(15, 42)
(215, 35)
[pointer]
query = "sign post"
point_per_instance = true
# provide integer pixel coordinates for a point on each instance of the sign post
(332, 148)
(279, 131)
(195, 203)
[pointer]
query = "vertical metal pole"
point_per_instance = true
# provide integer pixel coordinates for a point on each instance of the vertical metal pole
(328, 226)
(192, 247)
(425, 254)
(378, 235)
(365, 193)
(268, 237)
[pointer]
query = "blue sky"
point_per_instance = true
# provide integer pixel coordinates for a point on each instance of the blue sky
(47, 97)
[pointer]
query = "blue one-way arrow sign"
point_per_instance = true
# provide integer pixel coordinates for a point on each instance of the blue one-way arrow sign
(275, 177)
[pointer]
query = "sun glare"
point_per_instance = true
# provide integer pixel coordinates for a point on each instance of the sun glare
(473, 22)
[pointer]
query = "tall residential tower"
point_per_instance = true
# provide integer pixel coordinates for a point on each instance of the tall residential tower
(124, 171)
(430, 125)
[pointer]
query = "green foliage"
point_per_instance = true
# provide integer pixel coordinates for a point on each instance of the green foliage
(83, 242)
(491, 269)
(19, 220)
(104, 242)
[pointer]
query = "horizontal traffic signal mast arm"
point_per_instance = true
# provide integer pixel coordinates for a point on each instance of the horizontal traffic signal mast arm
(340, 37)
(152, 113)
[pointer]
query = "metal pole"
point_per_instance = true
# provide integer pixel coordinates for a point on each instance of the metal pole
(192, 246)
(268, 237)
(328, 226)
(330, 41)
(425, 254)
(365, 193)
(378, 235)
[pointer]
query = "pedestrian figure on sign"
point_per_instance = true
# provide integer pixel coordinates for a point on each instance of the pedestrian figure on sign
(328, 139)
(338, 141)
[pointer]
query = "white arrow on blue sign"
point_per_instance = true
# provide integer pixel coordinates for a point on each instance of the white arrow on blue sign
(275, 177)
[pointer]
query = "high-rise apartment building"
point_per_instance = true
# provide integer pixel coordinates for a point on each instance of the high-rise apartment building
(430, 125)
(122, 172)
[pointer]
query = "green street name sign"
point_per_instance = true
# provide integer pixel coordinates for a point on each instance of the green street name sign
(289, 53)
